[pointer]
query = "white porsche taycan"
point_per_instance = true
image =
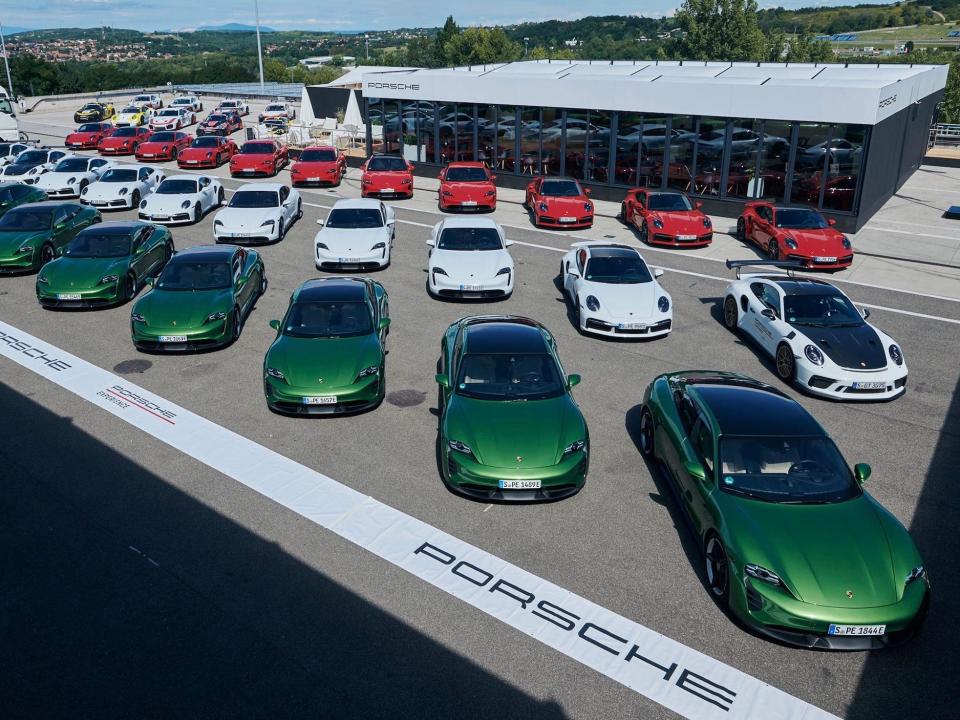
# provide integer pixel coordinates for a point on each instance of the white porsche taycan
(122, 186)
(468, 258)
(182, 199)
(357, 234)
(258, 213)
(71, 175)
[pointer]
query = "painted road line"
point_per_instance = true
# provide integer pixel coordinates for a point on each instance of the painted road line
(911, 232)
(678, 677)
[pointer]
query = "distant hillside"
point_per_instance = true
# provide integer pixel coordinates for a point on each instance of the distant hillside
(8, 31)
(234, 27)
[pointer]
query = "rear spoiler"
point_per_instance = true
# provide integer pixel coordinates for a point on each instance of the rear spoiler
(789, 265)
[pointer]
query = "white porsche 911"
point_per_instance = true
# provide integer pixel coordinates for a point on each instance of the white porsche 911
(614, 293)
(468, 258)
(258, 212)
(237, 106)
(817, 337)
(71, 175)
(182, 199)
(122, 186)
(172, 118)
(357, 234)
(133, 114)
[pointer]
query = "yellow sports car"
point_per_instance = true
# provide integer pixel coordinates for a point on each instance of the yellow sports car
(133, 116)
(94, 112)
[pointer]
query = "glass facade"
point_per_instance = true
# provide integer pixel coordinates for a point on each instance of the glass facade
(817, 164)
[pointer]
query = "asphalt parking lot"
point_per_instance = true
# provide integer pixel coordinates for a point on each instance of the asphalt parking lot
(140, 582)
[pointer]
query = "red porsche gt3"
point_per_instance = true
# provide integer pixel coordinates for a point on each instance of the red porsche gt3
(467, 186)
(124, 141)
(319, 164)
(559, 203)
(667, 218)
(209, 151)
(259, 157)
(88, 135)
(802, 234)
(386, 175)
(164, 145)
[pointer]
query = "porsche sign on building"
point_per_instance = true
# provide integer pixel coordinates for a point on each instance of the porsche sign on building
(839, 137)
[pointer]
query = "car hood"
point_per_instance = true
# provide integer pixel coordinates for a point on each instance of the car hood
(193, 153)
(65, 274)
(169, 203)
(20, 168)
(386, 175)
(468, 190)
(314, 166)
(80, 136)
(636, 301)
(250, 158)
(468, 266)
(346, 240)
(679, 223)
(116, 141)
(153, 146)
(499, 431)
(303, 361)
(857, 348)
(10, 240)
(826, 242)
(59, 179)
(246, 218)
(821, 552)
(107, 190)
(183, 308)
(572, 205)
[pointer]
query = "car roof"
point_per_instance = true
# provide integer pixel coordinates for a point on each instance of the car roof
(332, 289)
(504, 335)
(183, 177)
(356, 203)
(467, 164)
(612, 250)
(45, 205)
(479, 222)
(115, 227)
(795, 207)
(206, 252)
(319, 147)
(742, 406)
(249, 187)
(802, 286)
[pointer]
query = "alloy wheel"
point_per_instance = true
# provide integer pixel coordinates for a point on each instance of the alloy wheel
(718, 571)
(741, 230)
(773, 250)
(730, 313)
(785, 362)
(46, 254)
(646, 433)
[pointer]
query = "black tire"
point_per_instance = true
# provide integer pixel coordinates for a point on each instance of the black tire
(167, 253)
(299, 209)
(717, 568)
(220, 197)
(135, 200)
(741, 230)
(731, 313)
(644, 233)
(773, 250)
(576, 314)
(197, 213)
(281, 231)
(786, 363)
(237, 325)
(263, 285)
(129, 288)
(646, 434)
(623, 213)
(173, 155)
(47, 253)
(83, 184)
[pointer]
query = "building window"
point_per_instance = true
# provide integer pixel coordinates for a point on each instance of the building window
(680, 152)
(551, 141)
(598, 146)
(652, 137)
(746, 147)
(711, 138)
(375, 120)
(392, 128)
(425, 125)
(576, 156)
(487, 134)
(627, 148)
(446, 133)
(462, 122)
(844, 161)
(773, 160)
(530, 141)
(506, 138)
(812, 144)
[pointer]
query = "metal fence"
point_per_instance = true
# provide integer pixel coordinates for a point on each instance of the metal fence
(290, 91)
(944, 134)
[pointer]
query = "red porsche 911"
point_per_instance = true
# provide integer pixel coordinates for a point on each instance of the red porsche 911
(386, 175)
(318, 164)
(666, 218)
(124, 141)
(209, 151)
(164, 145)
(259, 157)
(802, 234)
(88, 135)
(559, 203)
(467, 186)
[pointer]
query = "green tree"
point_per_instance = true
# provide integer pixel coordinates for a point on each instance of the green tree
(476, 46)
(719, 30)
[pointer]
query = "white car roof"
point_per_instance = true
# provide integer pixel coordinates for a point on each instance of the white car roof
(356, 203)
(478, 222)
(275, 187)
(183, 177)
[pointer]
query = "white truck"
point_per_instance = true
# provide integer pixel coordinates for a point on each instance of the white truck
(9, 126)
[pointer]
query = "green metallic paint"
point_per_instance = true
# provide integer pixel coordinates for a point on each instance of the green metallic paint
(57, 238)
(15, 194)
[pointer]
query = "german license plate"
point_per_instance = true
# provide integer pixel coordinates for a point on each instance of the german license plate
(469, 203)
(249, 170)
(314, 179)
(320, 400)
(856, 629)
(68, 296)
(472, 288)
(173, 338)
(869, 385)
(149, 155)
(161, 217)
(567, 219)
(825, 259)
(349, 261)
(519, 484)
(633, 326)
(192, 162)
(686, 237)
(388, 191)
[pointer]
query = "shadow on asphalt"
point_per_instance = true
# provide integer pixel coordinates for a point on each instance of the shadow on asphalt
(123, 597)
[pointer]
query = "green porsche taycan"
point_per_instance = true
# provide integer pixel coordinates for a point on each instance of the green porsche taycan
(793, 544)
(32, 235)
(13, 194)
(200, 300)
(104, 264)
(509, 429)
(328, 357)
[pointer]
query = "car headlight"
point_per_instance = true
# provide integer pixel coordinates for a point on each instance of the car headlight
(459, 447)
(490, 193)
(42, 280)
(210, 154)
(846, 243)
(213, 317)
(84, 191)
(918, 573)
(164, 148)
(438, 271)
(406, 181)
(123, 191)
(368, 371)
(575, 447)
(896, 354)
(106, 279)
(137, 317)
(379, 246)
(322, 246)
(185, 204)
(503, 271)
(761, 573)
(707, 223)
(268, 223)
(790, 243)
(657, 223)
(543, 207)
(447, 193)
(813, 354)
(592, 303)
(143, 204)
(24, 249)
(663, 303)
(218, 223)
(71, 181)
(588, 207)
(274, 373)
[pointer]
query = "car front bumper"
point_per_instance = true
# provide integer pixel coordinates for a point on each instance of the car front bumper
(181, 216)
(663, 239)
(155, 156)
(822, 263)
(116, 150)
(21, 262)
(207, 336)
(469, 204)
(444, 286)
(580, 222)
(117, 204)
(201, 163)
(65, 192)
(839, 383)
(325, 260)
(289, 400)
(465, 475)
(100, 296)
(258, 170)
(615, 327)
(241, 237)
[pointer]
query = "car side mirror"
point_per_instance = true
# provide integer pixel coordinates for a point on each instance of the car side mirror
(861, 471)
(60, 251)
(492, 178)
(831, 221)
(768, 313)
(587, 191)
(508, 243)
(431, 242)
(698, 204)
(573, 381)
(275, 324)
(410, 167)
(573, 272)
(440, 177)
(384, 323)
(658, 272)
(150, 281)
(865, 312)
(443, 380)
(320, 222)
(696, 470)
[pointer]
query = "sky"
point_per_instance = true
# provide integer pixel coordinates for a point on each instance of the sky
(316, 15)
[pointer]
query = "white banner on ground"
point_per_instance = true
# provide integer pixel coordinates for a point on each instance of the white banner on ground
(686, 681)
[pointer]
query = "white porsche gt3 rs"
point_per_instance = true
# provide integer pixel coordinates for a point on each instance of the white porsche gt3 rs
(182, 199)
(172, 118)
(238, 106)
(817, 337)
(356, 235)
(468, 258)
(258, 213)
(71, 175)
(122, 186)
(614, 293)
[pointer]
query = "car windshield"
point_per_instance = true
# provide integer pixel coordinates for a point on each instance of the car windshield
(130, 109)
(186, 274)
(119, 175)
(531, 376)
(98, 245)
(625, 269)
(169, 112)
(89, 127)
(163, 137)
(800, 219)
(354, 218)
(560, 188)
(177, 187)
(255, 199)
(387, 164)
(257, 149)
(318, 156)
(466, 174)
(227, 104)
(217, 118)
(25, 218)
(669, 202)
(125, 132)
(275, 108)
(208, 141)
(328, 319)
(469, 238)
(785, 469)
(89, 106)
(182, 101)
(824, 310)
(32, 157)
(142, 98)
(72, 165)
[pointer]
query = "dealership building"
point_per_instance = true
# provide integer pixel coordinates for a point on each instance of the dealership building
(839, 137)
